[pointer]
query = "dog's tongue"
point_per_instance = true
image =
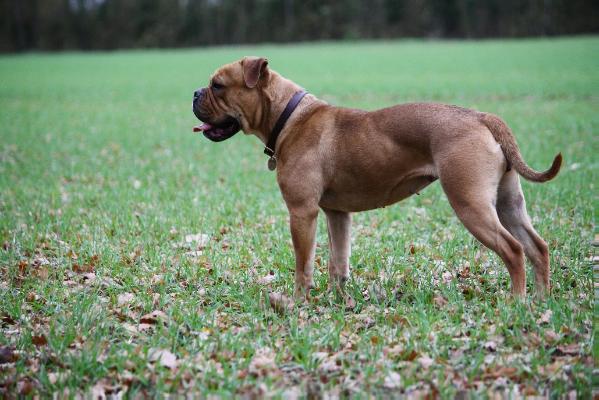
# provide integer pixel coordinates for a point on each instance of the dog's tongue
(203, 127)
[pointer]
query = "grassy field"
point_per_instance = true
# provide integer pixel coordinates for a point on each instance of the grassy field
(102, 182)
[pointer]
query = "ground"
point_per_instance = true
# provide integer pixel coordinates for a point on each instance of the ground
(137, 257)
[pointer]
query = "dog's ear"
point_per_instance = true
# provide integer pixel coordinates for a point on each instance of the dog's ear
(254, 68)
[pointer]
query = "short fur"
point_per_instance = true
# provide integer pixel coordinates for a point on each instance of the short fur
(344, 160)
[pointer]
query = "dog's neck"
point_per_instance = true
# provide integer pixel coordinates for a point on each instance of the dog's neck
(274, 104)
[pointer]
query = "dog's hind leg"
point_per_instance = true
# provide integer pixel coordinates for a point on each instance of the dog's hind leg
(511, 208)
(481, 219)
(339, 228)
(470, 183)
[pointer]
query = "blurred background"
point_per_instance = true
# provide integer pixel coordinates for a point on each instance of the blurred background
(112, 24)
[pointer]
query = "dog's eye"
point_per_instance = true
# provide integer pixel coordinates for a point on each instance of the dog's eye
(216, 85)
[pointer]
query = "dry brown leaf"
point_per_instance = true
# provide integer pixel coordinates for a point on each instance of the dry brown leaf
(266, 280)
(425, 361)
(125, 298)
(281, 303)
(572, 349)
(410, 356)
(144, 327)
(545, 317)
(440, 301)
(132, 329)
(490, 345)
(263, 362)
(529, 391)
(551, 369)
(551, 336)
(39, 340)
(25, 387)
(164, 357)
(83, 268)
(153, 318)
(499, 372)
(8, 355)
(7, 319)
(464, 272)
(392, 380)
(447, 277)
(103, 389)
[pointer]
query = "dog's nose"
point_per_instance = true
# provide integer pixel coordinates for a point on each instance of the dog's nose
(198, 93)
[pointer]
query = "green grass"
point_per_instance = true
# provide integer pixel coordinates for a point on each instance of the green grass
(99, 169)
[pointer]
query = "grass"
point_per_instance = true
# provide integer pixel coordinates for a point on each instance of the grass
(101, 179)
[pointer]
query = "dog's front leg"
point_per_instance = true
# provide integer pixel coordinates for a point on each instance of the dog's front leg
(339, 227)
(303, 234)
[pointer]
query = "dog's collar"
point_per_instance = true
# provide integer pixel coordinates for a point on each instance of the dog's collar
(269, 150)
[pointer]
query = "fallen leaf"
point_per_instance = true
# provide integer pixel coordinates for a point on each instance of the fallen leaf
(410, 355)
(200, 240)
(545, 317)
(132, 329)
(144, 327)
(125, 298)
(8, 355)
(266, 280)
(500, 372)
(551, 336)
(153, 317)
(425, 361)
(103, 389)
(7, 319)
(439, 301)
(280, 303)
(464, 272)
(447, 277)
(529, 391)
(392, 380)
(39, 340)
(318, 356)
(24, 387)
(164, 357)
(263, 362)
(490, 345)
(567, 350)
(83, 268)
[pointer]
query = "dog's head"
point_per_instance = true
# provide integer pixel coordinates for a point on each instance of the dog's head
(233, 100)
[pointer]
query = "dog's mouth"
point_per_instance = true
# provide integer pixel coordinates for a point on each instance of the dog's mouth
(219, 132)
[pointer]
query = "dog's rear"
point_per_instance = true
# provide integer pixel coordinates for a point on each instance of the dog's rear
(504, 136)
(510, 203)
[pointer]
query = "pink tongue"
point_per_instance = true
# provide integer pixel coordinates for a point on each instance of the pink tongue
(203, 127)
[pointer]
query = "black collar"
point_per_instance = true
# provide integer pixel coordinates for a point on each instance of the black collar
(269, 150)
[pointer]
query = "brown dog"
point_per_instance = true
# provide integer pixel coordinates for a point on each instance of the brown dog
(343, 160)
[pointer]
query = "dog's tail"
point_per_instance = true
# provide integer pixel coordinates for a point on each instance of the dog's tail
(504, 136)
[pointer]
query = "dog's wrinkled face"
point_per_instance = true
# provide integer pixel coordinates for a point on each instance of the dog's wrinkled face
(232, 101)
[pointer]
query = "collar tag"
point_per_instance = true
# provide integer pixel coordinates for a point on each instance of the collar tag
(272, 163)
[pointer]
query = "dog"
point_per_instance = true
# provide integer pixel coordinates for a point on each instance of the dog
(345, 160)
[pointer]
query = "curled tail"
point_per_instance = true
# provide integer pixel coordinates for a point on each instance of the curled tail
(504, 136)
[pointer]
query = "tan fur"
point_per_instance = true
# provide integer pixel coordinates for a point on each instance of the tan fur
(344, 160)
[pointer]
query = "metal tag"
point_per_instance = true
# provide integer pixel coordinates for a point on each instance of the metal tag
(272, 163)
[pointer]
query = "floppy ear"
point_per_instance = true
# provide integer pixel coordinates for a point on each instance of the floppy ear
(253, 69)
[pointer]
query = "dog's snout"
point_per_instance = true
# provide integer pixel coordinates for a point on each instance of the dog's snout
(198, 93)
